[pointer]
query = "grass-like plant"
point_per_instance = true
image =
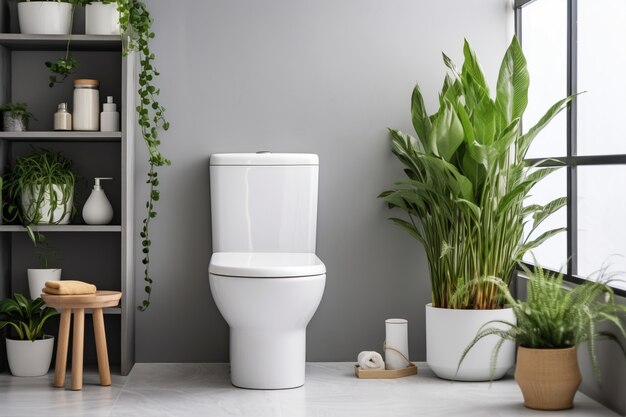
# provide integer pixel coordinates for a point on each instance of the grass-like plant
(45, 176)
(18, 111)
(554, 316)
(467, 180)
(26, 317)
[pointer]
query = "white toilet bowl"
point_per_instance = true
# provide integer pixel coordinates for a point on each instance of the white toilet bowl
(267, 299)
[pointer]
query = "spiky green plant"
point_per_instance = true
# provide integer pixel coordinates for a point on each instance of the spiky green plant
(554, 316)
(467, 180)
(26, 317)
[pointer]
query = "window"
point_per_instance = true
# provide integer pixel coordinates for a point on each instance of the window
(575, 46)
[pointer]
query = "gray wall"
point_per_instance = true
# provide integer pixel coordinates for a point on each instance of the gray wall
(324, 76)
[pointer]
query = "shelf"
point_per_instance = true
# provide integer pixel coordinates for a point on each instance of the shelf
(63, 228)
(22, 42)
(66, 136)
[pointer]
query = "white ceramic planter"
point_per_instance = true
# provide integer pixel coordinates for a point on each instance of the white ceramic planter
(28, 358)
(60, 215)
(13, 124)
(44, 17)
(37, 279)
(102, 19)
(449, 331)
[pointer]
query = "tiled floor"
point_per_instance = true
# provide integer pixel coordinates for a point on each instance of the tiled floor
(331, 389)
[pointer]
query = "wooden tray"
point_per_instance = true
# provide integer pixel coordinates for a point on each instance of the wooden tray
(385, 373)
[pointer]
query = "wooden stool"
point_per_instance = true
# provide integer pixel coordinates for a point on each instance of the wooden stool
(78, 304)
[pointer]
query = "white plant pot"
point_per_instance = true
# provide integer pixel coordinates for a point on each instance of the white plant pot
(102, 19)
(449, 331)
(60, 215)
(44, 17)
(37, 280)
(28, 358)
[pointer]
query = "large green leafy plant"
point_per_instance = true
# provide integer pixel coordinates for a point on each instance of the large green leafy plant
(554, 316)
(136, 28)
(467, 180)
(26, 317)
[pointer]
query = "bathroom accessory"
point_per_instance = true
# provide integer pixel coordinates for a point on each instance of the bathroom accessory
(264, 275)
(370, 360)
(86, 105)
(110, 117)
(62, 118)
(396, 343)
(97, 208)
(69, 287)
(361, 373)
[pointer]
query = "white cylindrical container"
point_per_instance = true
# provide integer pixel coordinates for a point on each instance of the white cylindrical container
(396, 343)
(37, 279)
(102, 19)
(110, 117)
(86, 105)
(30, 358)
(62, 118)
(45, 17)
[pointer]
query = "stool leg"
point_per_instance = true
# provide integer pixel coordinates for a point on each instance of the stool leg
(101, 347)
(62, 343)
(77, 349)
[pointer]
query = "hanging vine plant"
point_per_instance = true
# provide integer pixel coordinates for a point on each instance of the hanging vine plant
(136, 32)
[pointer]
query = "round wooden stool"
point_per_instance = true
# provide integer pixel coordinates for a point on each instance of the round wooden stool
(77, 304)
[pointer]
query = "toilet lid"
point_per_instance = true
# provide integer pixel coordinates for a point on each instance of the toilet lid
(266, 265)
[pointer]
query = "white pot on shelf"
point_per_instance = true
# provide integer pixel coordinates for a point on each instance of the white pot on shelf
(30, 358)
(449, 331)
(102, 19)
(44, 213)
(44, 17)
(37, 279)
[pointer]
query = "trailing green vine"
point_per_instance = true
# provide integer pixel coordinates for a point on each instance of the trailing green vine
(136, 24)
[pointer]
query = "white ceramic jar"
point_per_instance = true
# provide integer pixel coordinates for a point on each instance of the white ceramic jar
(86, 105)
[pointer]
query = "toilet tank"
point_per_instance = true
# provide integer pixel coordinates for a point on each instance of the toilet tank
(264, 202)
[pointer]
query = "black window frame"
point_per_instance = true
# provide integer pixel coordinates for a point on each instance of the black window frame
(571, 161)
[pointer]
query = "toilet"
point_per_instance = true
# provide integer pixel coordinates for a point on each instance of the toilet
(264, 275)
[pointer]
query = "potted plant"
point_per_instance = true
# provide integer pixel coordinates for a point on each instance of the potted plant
(464, 197)
(102, 18)
(30, 350)
(37, 277)
(136, 34)
(52, 17)
(16, 117)
(552, 322)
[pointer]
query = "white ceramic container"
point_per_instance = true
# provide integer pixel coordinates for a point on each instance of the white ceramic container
(60, 215)
(449, 331)
(86, 105)
(396, 343)
(37, 279)
(44, 17)
(102, 19)
(28, 358)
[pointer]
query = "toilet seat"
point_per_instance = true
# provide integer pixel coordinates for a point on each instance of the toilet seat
(266, 264)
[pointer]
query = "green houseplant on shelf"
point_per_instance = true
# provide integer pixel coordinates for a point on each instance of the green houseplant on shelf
(40, 190)
(15, 117)
(30, 350)
(464, 200)
(552, 322)
(136, 33)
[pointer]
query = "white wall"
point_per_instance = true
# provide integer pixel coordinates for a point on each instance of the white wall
(324, 76)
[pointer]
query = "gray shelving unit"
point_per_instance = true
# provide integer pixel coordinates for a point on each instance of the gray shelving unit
(100, 254)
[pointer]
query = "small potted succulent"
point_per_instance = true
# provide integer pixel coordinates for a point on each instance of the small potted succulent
(551, 324)
(15, 117)
(29, 350)
(52, 17)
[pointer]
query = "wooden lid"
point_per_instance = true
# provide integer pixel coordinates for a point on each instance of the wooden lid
(84, 82)
(98, 300)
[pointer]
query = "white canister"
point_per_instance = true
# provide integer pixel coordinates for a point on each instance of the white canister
(396, 343)
(86, 105)
(102, 19)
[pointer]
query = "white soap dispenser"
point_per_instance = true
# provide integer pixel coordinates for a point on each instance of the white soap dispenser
(110, 117)
(97, 209)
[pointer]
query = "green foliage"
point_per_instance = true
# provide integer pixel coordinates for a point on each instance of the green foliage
(555, 317)
(18, 111)
(467, 180)
(136, 26)
(26, 317)
(48, 177)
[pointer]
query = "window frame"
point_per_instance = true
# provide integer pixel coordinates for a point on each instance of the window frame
(571, 161)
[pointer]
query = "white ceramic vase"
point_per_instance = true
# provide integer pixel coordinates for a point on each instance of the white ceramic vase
(60, 215)
(102, 19)
(37, 279)
(28, 358)
(449, 331)
(44, 17)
